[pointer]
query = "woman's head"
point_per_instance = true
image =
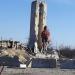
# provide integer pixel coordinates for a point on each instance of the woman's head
(45, 27)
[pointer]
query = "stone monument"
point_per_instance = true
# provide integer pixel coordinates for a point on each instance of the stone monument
(38, 21)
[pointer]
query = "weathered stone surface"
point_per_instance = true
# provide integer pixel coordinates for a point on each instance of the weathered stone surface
(67, 64)
(36, 71)
(43, 63)
(10, 62)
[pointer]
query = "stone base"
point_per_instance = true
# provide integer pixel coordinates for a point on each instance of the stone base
(67, 64)
(43, 63)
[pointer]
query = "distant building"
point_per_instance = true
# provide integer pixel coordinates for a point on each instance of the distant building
(8, 44)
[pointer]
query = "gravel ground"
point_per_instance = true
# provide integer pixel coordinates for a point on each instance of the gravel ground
(37, 71)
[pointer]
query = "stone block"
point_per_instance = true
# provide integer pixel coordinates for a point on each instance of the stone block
(43, 63)
(67, 64)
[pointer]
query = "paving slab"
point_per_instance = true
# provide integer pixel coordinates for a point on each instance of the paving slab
(37, 71)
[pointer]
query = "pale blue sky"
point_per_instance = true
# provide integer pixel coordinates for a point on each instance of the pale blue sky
(15, 20)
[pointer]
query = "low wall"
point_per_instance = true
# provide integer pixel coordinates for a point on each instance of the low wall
(43, 63)
(67, 64)
(10, 62)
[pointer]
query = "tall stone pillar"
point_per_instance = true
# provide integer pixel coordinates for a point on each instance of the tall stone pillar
(34, 24)
(42, 22)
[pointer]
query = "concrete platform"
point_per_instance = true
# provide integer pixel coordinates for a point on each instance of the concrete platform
(43, 63)
(37, 71)
(67, 64)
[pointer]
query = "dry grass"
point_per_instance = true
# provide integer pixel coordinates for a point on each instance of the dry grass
(21, 54)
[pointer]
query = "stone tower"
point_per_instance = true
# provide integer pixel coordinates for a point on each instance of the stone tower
(34, 23)
(42, 21)
(38, 21)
